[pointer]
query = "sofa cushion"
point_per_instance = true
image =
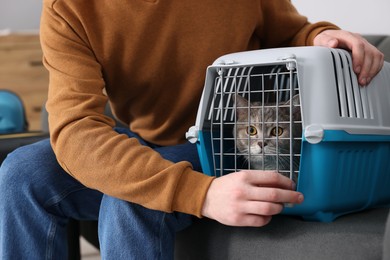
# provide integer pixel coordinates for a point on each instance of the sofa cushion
(354, 236)
(386, 242)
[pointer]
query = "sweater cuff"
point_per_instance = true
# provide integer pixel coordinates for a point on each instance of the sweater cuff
(191, 192)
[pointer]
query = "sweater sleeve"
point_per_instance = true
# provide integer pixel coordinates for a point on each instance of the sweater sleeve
(83, 139)
(283, 26)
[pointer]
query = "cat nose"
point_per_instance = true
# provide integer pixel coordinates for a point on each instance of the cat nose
(261, 144)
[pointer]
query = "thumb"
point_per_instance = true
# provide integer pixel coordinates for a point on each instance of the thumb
(326, 41)
(332, 43)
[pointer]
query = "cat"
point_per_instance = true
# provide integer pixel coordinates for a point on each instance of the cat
(260, 140)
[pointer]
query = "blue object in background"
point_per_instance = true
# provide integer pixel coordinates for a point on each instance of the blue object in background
(12, 113)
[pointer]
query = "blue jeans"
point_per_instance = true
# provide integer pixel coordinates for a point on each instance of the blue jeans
(37, 198)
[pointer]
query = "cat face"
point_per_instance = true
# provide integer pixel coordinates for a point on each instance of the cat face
(262, 133)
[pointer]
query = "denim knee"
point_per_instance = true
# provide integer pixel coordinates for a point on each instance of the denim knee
(12, 171)
(21, 169)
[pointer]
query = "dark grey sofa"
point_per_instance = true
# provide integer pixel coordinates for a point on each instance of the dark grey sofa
(386, 241)
(355, 236)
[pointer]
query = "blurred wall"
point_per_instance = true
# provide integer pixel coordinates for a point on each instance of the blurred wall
(361, 16)
(20, 15)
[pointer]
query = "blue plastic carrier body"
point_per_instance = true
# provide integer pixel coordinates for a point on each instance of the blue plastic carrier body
(344, 173)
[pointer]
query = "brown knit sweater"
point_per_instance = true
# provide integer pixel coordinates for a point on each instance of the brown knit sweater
(148, 57)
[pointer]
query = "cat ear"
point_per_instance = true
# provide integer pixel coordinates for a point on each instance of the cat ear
(296, 107)
(241, 105)
(295, 100)
(240, 101)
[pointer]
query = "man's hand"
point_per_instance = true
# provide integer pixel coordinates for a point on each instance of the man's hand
(367, 60)
(249, 198)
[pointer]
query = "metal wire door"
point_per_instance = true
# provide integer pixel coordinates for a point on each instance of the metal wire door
(256, 120)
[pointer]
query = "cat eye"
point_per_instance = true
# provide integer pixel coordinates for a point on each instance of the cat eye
(251, 130)
(277, 131)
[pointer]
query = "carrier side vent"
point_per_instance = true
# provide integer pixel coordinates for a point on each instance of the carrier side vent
(353, 100)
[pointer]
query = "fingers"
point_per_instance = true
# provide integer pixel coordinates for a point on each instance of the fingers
(267, 186)
(266, 179)
(261, 208)
(273, 195)
(248, 198)
(367, 60)
(251, 221)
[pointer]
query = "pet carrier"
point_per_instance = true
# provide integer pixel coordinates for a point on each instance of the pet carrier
(301, 112)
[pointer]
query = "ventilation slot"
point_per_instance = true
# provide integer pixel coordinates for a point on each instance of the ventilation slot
(353, 100)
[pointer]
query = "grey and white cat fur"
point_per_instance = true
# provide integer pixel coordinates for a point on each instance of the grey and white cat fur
(262, 134)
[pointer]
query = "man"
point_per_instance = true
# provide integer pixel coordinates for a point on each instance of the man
(148, 58)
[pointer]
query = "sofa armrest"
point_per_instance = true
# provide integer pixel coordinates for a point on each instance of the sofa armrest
(9, 142)
(382, 42)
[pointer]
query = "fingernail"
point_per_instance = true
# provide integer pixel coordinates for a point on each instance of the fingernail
(294, 186)
(363, 81)
(300, 198)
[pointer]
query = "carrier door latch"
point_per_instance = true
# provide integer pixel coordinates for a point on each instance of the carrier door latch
(192, 134)
(314, 134)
